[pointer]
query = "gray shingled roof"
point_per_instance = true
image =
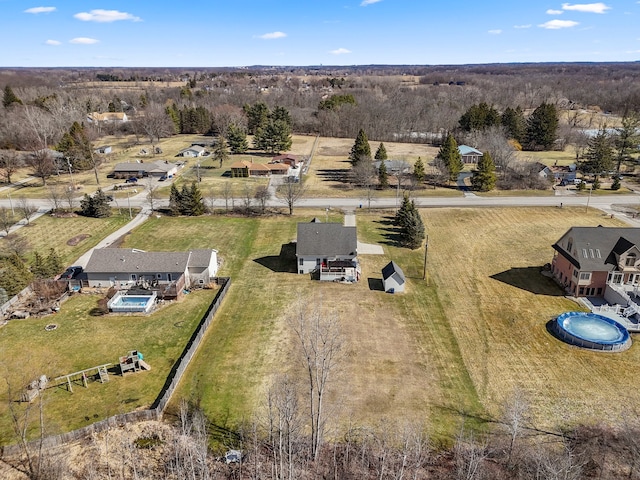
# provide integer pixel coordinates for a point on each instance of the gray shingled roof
(596, 247)
(156, 166)
(326, 239)
(125, 260)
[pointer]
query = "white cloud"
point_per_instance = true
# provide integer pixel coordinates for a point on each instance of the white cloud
(368, 2)
(522, 26)
(586, 7)
(340, 51)
(558, 24)
(36, 10)
(53, 42)
(83, 41)
(495, 32)
(554, 12)
(272, 35)
(105, 16)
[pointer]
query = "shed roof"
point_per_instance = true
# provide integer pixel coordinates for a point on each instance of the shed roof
(326, 239)
(391, 269)
(467, 150)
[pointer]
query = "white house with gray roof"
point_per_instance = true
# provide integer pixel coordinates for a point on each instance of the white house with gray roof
(329, 250)
(129, 267)
(145, 169)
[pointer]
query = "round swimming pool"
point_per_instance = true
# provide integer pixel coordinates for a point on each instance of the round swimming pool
(590, 330)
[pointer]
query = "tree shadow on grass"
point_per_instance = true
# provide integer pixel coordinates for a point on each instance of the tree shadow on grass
(529, 279)
(390, 233)
(376, 284)
(341, 176)
(284, 262)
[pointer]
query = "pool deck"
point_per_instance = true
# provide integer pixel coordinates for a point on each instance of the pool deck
(601, 307)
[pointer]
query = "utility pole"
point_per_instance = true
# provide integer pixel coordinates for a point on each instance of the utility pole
(589, 197)
(426, 249)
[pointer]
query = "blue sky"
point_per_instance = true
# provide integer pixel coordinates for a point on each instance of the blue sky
(50, 33)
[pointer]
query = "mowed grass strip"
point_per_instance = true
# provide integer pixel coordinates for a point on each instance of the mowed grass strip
(82, 341)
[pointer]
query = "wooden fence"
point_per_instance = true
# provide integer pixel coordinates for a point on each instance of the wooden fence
(158, 406)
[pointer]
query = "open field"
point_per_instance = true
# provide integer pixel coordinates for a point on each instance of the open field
(82, 341)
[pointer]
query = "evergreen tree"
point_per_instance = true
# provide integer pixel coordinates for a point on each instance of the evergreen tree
(411, 226)
(361, 149)
(514, 123)
(196, 203)
(95, 206)
(281, 113)
(174, 114)
(10, 98)
(53, 263)
(274, 137)
(38, 267)
(14, 274)
(257, 116)
(175, 200)
(450, 156)
(381, 153)
(383, 176)
(237, 139)
(627, 137)
(418, 170)
(334, 102)
(599, 155)
(615, 185)
(77, 147)
(484, 177)
(220, 150)
(542, 127)
(479, 117)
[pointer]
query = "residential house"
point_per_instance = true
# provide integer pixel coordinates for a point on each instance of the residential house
(158, 168)
(558, 173)
(328, 250)
(104, 149)
(278, 168)
(291, 160)
(107, 117)
(599, 261)
(469, 154)
(243, 168)
(393, 278)
(394, 167)
(167, 273)
(192, 151)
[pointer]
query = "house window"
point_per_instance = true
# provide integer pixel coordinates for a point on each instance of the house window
(584, 253)
(169, 276)
(133, 277)
(575, 273)
(631, 260)
(201, 282)
(158, 276)
(301, 261)
(581, 290)
(301, 271)
(585, 276)
(570, 244)
(598, 253)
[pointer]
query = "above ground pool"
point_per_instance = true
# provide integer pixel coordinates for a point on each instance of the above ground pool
(590, 330)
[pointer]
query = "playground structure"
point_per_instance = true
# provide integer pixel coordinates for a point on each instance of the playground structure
(133, 362)
(101, 372)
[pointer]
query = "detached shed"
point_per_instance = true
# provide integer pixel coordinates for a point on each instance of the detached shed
(393, 278)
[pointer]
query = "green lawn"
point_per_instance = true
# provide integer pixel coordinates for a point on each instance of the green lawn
(82, 341)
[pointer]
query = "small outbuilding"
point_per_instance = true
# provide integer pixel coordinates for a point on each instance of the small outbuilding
(393, 278)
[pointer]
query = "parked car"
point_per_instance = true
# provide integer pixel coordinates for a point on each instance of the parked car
(162, 178)
(131, 180)
(71, 272)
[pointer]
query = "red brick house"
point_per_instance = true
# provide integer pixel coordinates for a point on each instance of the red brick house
(599, 261)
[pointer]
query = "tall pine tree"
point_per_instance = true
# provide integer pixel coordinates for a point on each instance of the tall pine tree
(383, 176)
(542, 127)
(381, 153)
(450, 156)
(484, 177)
(361, 151)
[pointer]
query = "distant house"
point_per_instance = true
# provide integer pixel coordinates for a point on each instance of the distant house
(167, 273)
(243, 168)
(393, 166)
(107, 117)
(558, 173)
(291, 160)
(393, 278)
(598, 261)
(328, 250)
(145, 169)
(104, 149)
(469, 154)
(192, 151)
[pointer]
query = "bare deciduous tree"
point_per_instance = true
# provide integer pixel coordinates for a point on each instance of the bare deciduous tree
(227, 195)
(26, 209)
(69, 194)
(321, 348)
(10, 162)
(54, 196)
(7, 219)
(261, 196)
(290, 193)
(156, 124)
(515, 419)
(152, 194)
(469, 455)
